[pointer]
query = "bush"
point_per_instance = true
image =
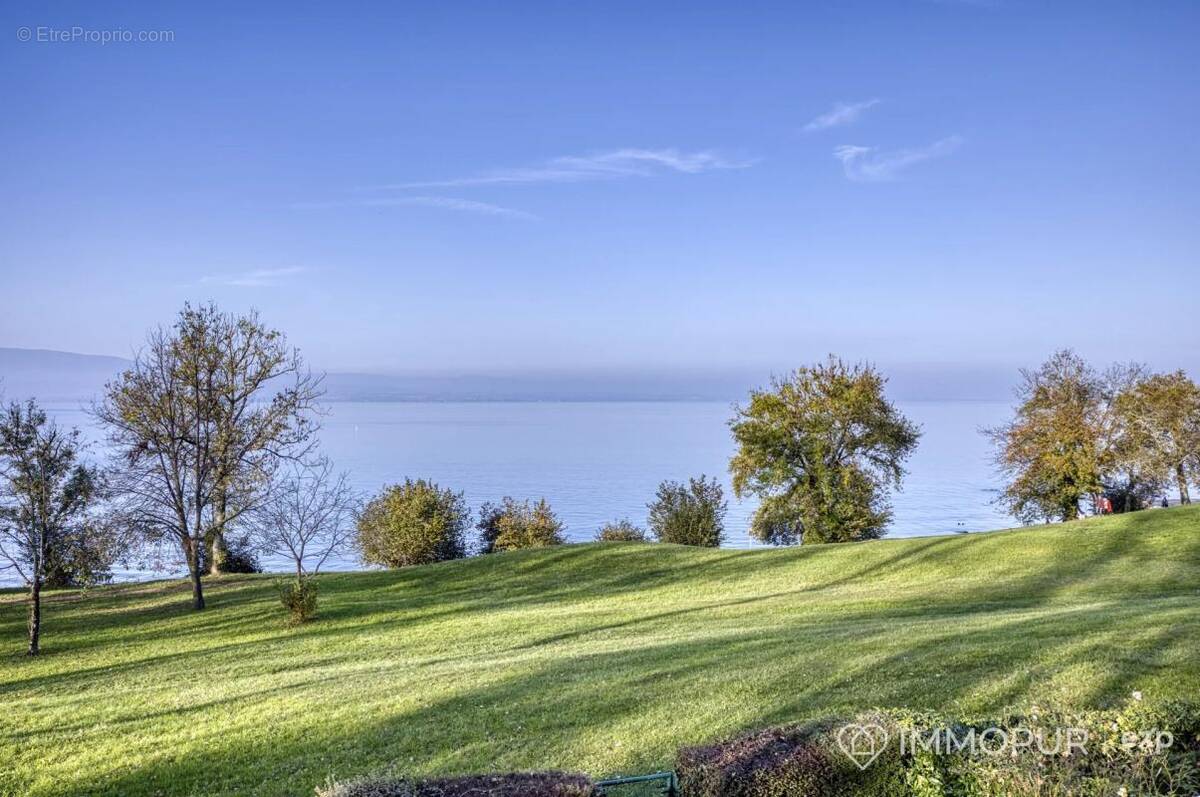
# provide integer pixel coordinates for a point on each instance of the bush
(689, 514)
(781, 762)
(240, 556)
(413, 523)
(621, 531)
(539, 784)
(510, 525)
(299, 597)
(1119, 757)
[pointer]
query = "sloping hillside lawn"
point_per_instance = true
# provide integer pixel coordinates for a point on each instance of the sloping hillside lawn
(596, 658)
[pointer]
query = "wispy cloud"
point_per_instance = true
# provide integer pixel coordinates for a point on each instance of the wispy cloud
(868, 164)
(443, 202)
(257, 278)
(843, 113)
(615, 164)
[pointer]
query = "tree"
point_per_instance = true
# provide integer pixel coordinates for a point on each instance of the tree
(307, 517)
(266, 403)
(1129, 480)
(413, 523)
(512, 524)
(821, 449)
(45, 494)
(689, 514)
(1161, 414)
(161, 419)
(209, 408)
(1055, 450)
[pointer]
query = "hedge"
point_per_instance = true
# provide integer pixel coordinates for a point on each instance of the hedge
(536, 784)
(1123, 754)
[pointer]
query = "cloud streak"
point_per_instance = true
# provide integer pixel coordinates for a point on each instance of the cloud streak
(441, 202)
(843, 113)
(870, 165)
(256, 278)
(615, 164)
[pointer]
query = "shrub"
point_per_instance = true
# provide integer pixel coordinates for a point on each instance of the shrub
(1119, 757)
(538, 784)
(299, 597)
(412, 524)
(621, 531)
(512, 524)
(240, 556)
(689, 514)
(781, 762)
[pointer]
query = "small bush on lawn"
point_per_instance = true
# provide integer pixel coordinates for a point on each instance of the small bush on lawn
(414, 523)
(1120, 756)
(513, 524)
(689, 514)
(621, 531)
(240, 556)
(540, 784)
(299, 597)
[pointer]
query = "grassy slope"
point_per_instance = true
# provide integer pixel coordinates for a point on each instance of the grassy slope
(602, 659)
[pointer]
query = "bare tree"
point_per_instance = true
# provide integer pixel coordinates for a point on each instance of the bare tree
(44, 496)
(209, 409)
(308, 516)
(160, 415)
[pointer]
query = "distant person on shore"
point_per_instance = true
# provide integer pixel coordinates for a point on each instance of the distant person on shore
(1165, 503)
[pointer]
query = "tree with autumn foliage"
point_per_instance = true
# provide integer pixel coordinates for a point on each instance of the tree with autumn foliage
(1057, 448)
(1161, 415)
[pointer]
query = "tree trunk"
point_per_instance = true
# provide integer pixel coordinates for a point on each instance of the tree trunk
(194, 568)
(35, 615)
(218, 551)
(1181, 479)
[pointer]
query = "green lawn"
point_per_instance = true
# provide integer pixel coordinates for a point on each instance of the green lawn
(596, 658)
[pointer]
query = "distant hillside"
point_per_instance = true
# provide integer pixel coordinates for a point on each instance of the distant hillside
(55, 376)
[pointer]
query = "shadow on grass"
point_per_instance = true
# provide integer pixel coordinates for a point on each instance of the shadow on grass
(700, 644)
(598, 710)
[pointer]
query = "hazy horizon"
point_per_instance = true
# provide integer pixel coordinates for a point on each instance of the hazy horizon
(65, 376)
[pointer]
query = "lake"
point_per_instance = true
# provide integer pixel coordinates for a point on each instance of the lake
(600, 461)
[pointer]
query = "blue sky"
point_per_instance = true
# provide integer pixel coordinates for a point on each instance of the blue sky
(610, 185)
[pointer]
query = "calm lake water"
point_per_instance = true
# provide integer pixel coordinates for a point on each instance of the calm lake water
(596, 462)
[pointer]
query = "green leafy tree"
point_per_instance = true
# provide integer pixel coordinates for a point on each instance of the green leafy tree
(45, 494)
(689, 514)
(1056, 449)
(512, 524)
(413, 523)
(1161, 417)
(821, 449)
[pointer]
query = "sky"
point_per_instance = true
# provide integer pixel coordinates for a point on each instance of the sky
(619, 185)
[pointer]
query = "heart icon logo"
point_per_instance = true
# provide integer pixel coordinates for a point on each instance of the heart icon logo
(862, 744)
